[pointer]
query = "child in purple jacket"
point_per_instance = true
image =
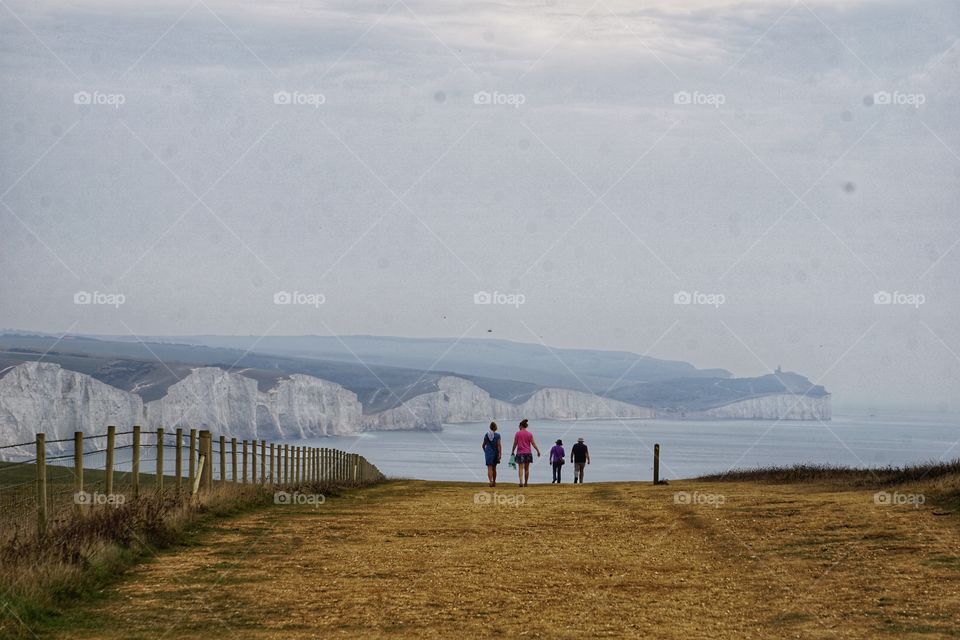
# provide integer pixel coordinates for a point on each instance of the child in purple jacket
(556, 460)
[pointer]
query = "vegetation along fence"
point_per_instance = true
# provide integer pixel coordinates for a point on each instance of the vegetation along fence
(88, 471)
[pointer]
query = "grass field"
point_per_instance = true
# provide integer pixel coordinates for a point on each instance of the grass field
(694, 559)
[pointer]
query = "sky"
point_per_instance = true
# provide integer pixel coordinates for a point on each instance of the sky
(735, 184)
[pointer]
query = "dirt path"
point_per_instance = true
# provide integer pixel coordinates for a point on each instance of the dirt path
(425, 560)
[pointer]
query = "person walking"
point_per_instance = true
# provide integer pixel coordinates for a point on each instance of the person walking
(579, 456)
(492, 451)
(523, 442)
(557, 456)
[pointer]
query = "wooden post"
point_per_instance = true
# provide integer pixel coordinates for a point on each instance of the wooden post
(209, 454)
(286, 464)
(263, 462)
(233, 459)
(244, 462)
(135, 461)
(41, 483)
(656, 464)
(159, 481)
(253, 461)
(316, 465)
(206, 473)
(179, 459)
(273, 464)
(296, 465)
(324, 464)
(77, 469)
(223, 460)
(108, 467)
(193, 458)
(206, 469)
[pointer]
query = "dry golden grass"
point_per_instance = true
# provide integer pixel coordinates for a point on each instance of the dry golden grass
(424, 560)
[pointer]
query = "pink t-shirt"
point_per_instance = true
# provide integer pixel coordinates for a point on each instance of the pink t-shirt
(523, 440)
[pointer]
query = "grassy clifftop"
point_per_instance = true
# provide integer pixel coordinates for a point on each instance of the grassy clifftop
(813, 558)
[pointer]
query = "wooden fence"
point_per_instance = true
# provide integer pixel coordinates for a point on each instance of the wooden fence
(211, 461)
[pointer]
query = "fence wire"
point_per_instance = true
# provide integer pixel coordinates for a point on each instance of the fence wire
(21, 485)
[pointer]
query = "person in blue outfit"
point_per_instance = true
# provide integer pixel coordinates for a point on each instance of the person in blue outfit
(492, 450)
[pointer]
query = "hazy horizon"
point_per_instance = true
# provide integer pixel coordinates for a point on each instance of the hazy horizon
(724, 183)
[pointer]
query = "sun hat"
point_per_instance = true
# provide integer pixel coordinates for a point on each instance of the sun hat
(579, 439)
(559, 441)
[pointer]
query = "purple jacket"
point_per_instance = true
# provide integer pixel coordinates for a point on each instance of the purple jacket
(556, 454)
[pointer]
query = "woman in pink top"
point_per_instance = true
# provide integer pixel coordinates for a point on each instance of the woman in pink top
(522, 443)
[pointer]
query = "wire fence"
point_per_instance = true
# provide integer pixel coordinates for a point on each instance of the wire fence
(98, 471)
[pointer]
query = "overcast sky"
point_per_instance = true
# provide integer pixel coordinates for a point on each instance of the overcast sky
(784, 160)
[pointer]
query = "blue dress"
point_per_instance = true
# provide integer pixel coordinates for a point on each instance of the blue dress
(490, 449)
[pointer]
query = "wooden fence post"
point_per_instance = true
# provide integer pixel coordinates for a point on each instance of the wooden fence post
(233, 459)
(108, 467)
(41, 483)
(273, 464)
(178, 457)
(210, 458)
(244, 462)
(286, 464)
(204, 462)
(263, 462)
(77, 469)
(159, 481)
(135, 461)
(193, 458)
(253, 461)
(206, 471)
(656, 464)
(223, 460)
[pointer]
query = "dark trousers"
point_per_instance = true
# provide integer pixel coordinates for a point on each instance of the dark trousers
(557, 466)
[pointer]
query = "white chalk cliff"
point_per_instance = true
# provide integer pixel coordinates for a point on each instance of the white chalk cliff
(231, 405)
(459, 400)
(40, 397)
(43, 397)
(778, 406)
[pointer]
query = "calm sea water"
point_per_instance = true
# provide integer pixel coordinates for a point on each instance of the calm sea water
(622, 450)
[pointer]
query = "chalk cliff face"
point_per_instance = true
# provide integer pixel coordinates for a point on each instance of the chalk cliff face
(304, 406)
(231, 405)
(564, 404)
(459, 400)
(39, 397)
(43, 397)
(783, 406)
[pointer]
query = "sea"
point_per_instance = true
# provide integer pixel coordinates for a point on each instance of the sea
(622, 450)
